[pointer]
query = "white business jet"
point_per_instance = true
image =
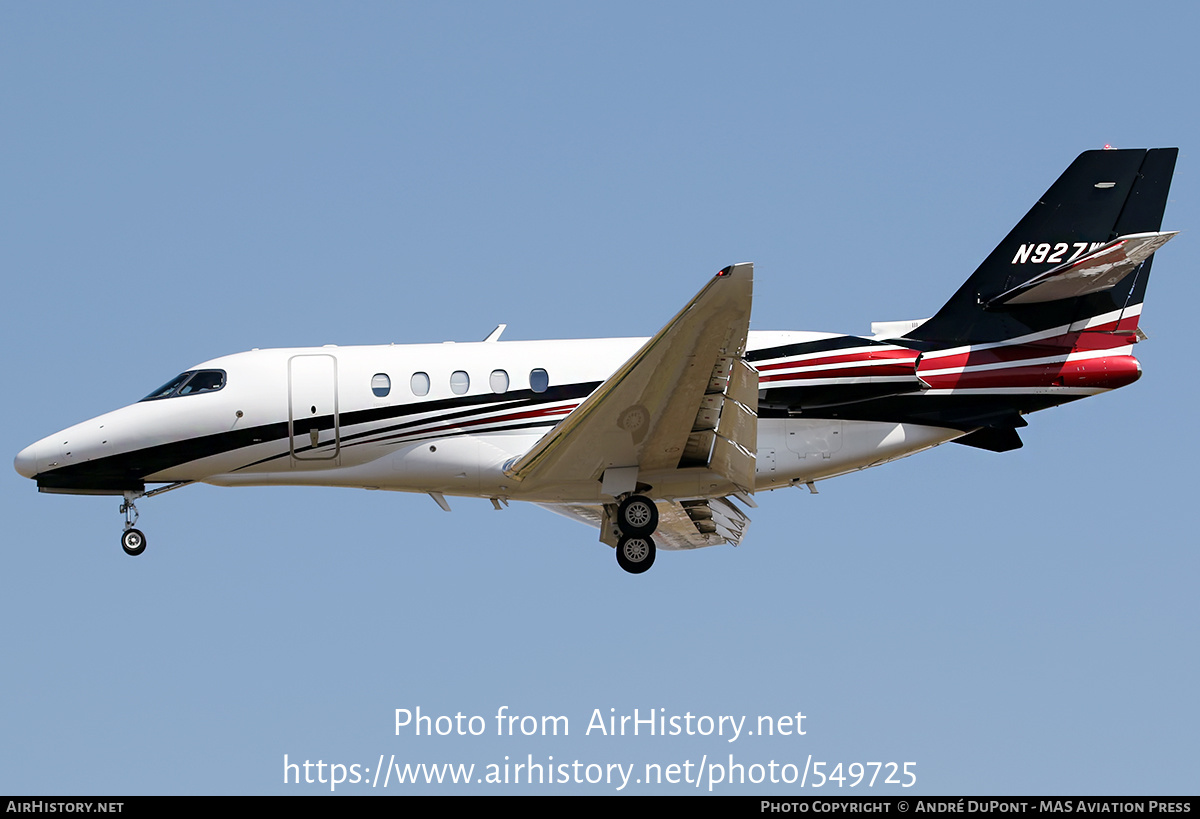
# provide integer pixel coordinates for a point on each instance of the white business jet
(661, 443)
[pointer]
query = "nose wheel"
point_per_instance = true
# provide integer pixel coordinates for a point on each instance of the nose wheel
(133, 542)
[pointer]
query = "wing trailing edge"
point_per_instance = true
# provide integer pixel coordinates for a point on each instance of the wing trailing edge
(682, 525)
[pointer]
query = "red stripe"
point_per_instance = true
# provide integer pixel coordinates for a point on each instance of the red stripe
(1057, 346)
(843, 358)
(842, 372)
(1108, 372)
(1127, 324)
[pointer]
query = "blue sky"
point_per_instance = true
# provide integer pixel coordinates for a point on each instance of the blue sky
(184, 181)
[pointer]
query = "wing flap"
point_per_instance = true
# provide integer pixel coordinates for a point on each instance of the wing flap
(736, 447)
(682, 525)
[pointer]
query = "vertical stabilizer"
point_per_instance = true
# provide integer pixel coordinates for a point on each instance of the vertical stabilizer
(1101, 197)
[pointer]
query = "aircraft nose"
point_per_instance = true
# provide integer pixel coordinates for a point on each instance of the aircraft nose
(26, 461)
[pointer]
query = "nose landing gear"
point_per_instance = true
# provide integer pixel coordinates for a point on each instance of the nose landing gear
(132, 540)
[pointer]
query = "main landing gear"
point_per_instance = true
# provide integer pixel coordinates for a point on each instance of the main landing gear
(132, 540)
(637, 518)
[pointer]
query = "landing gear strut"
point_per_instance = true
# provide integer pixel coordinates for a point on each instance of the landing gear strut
(132, 540)
(637, 518)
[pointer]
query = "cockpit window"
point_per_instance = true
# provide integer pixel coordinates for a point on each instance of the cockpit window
(169, 388)
(190, 383)
(203, 381)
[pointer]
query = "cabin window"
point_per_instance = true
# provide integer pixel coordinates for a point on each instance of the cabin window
(460, 382)
(189, 383)
(381, 385)
(539, 380)
(499, 381)
(420, 383)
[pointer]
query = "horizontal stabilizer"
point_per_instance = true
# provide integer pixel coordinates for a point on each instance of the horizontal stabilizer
(1094, 272)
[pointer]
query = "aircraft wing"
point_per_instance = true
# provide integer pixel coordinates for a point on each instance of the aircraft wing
(682, 525)
(686, 398)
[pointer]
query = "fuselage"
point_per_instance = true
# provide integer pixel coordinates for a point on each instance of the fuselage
(447, 418)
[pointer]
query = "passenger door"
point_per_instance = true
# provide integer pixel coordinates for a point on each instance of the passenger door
(313, 427)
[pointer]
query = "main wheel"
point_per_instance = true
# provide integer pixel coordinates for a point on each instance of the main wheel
(637, 515)
(133, 542)
(635, 553)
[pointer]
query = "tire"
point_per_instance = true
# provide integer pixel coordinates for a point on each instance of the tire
(635, 554)
(637, 515)
(133, 542)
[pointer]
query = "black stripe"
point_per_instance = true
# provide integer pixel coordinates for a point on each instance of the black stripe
(964, 412)
(824, 345)
(127, 470)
